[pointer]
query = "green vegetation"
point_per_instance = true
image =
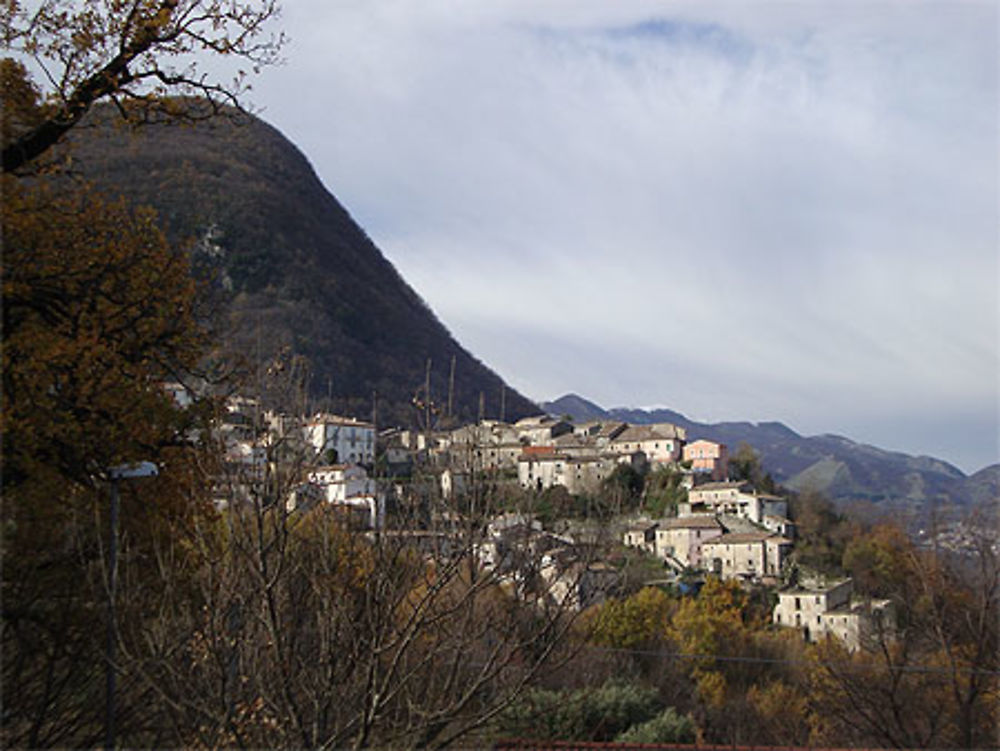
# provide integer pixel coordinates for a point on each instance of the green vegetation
(666, 727)
(588, 714)
(663, 491)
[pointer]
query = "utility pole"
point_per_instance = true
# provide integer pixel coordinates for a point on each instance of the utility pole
(115, 474)
(427, 401)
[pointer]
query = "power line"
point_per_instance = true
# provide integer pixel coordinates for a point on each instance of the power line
(851, 667)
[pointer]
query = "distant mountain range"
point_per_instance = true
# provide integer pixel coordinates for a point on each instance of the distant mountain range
(295, 273)
(838, 467)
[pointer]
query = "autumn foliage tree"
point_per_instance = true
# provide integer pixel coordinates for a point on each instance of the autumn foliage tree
(135, 53)
(932, 680)
(97, 312)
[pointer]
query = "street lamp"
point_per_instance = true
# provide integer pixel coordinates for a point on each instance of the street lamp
(121, 472)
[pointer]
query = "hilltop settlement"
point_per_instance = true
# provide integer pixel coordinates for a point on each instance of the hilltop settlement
(532, 477)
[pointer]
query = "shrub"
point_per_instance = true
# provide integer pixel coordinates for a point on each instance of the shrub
(666, 727)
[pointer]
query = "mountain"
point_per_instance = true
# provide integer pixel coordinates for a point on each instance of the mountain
(295, 274)
(984, 486)
(842, 469)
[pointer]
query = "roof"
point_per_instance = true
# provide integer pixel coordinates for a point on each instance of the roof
(693, 522)
(663, 432)
(642, 527)
(535, 421)
(718, 486)
(322, 418)
(538, 451)
(815, 590)
(740, 538)
(705, 440)
(573, 440)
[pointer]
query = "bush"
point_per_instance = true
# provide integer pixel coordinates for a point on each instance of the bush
(590, 714)
(666, 727)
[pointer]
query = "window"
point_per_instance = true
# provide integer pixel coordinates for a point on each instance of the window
(798, 604)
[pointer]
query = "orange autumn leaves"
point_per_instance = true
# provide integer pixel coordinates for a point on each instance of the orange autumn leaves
(97, 313)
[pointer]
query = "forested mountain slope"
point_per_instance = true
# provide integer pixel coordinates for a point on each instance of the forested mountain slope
(295, 272)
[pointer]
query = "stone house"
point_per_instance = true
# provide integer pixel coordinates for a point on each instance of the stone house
(661, 443)
(820, 611)
(736, 499)
(642, 536)
(541, 429)
(682, 538)
(746, 555)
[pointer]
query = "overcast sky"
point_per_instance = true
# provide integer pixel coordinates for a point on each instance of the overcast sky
(747, 210)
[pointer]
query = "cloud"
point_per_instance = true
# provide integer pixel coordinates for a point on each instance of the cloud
(740, 209)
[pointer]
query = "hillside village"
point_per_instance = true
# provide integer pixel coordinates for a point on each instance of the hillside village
(425, 484)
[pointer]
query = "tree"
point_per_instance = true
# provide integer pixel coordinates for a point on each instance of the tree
(589, 714)
(98, 312)
(133, 53)
(663, 491)
(822, 532)
(624, 487)
(745, 465)
(637, 621)
(934, 679)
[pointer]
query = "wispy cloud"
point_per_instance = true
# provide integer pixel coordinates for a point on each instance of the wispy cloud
(742, 210)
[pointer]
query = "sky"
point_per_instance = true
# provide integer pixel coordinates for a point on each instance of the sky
(738, 210)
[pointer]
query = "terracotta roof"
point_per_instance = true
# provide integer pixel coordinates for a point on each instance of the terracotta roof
(539, 451)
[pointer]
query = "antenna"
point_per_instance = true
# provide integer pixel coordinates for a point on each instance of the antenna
(451, 387)
(427, 397)
(482, 405)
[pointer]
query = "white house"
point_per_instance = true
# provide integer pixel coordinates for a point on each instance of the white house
(346, 485)
(661, 443)
(341, 440)
(830, 610)
(541, 467)
(737, 499)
